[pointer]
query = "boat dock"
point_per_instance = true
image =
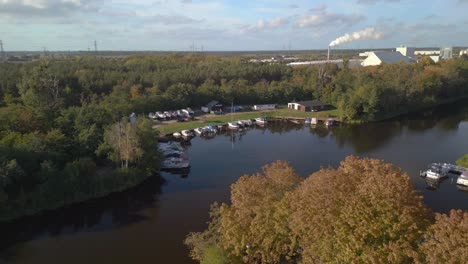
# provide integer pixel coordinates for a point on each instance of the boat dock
(302, 119)
(436, 172)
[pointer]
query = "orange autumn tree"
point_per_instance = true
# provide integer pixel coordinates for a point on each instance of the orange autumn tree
(366, 211)
(446, 241)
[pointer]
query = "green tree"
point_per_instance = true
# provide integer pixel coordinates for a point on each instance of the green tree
(463, 161)
(41, 90)
(122, 142)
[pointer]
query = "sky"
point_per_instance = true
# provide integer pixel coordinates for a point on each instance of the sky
(177, 25)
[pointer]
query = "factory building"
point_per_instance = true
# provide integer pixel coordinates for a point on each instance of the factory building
(406, 51)
(446, 53)
(379, 57)
(463, 52)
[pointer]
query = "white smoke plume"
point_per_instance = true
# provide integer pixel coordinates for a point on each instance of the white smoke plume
(368, 33)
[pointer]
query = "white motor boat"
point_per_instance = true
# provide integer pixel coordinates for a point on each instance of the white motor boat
(436, 171)
(247, 122)
(308, 120)
(260, 120)
(463, 179)
(233, 125)
(199, 130)
(313, 121)
(160, 115)
(177, 134)
(186, 133)
(175, 163)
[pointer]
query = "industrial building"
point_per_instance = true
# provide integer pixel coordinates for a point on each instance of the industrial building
(379, 57)
(446, 53)
(406, 51)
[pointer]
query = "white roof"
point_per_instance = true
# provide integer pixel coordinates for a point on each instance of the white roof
(391, 57)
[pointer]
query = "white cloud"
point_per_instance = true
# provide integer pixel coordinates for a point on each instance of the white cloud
(320, 17)
(373, 2)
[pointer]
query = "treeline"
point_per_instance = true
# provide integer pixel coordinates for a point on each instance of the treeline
(365, 211)
(149, 83)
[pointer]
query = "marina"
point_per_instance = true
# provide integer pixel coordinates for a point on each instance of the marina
(437, 172)
(151, 221)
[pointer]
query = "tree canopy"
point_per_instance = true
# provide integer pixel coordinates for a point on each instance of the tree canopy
(365, 211)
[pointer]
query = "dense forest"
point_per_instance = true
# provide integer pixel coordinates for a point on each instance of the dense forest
(61, 121)
(365, 211)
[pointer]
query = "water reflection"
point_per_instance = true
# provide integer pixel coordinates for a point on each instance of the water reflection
(115, 210)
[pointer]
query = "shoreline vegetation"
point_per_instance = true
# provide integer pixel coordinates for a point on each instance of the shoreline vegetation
(62, 121)
(364, 211)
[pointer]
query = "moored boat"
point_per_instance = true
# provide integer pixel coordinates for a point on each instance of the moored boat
(463, 179)
(175, 163)
(313, 121)
(436, 172)
(199, 130)
(260, 120)
(233, 125)
(186, 133)
(177, 134)
(308, 120)
(247, 122)
(329, 122)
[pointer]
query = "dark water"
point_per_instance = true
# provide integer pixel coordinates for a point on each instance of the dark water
(147, 224)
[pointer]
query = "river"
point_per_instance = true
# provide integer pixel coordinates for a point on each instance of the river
(148, 224)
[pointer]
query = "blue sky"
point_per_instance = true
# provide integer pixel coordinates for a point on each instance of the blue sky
(228, 25)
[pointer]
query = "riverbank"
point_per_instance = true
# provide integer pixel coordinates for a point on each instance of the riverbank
(211, 119)
(43, 199)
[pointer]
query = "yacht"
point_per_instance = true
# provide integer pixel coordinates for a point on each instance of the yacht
(463, 179)
(436, 171)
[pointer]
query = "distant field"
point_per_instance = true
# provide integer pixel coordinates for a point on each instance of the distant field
(205, 120)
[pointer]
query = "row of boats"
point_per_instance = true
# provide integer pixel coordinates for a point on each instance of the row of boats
(212, 130)
(440, 171)
(246, 123)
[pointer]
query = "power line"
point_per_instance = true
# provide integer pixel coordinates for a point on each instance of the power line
(95, 47)
(2, 52)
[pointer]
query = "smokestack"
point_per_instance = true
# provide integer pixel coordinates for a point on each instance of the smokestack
(328, 56)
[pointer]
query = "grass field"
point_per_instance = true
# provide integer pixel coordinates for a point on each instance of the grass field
(169, 128)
